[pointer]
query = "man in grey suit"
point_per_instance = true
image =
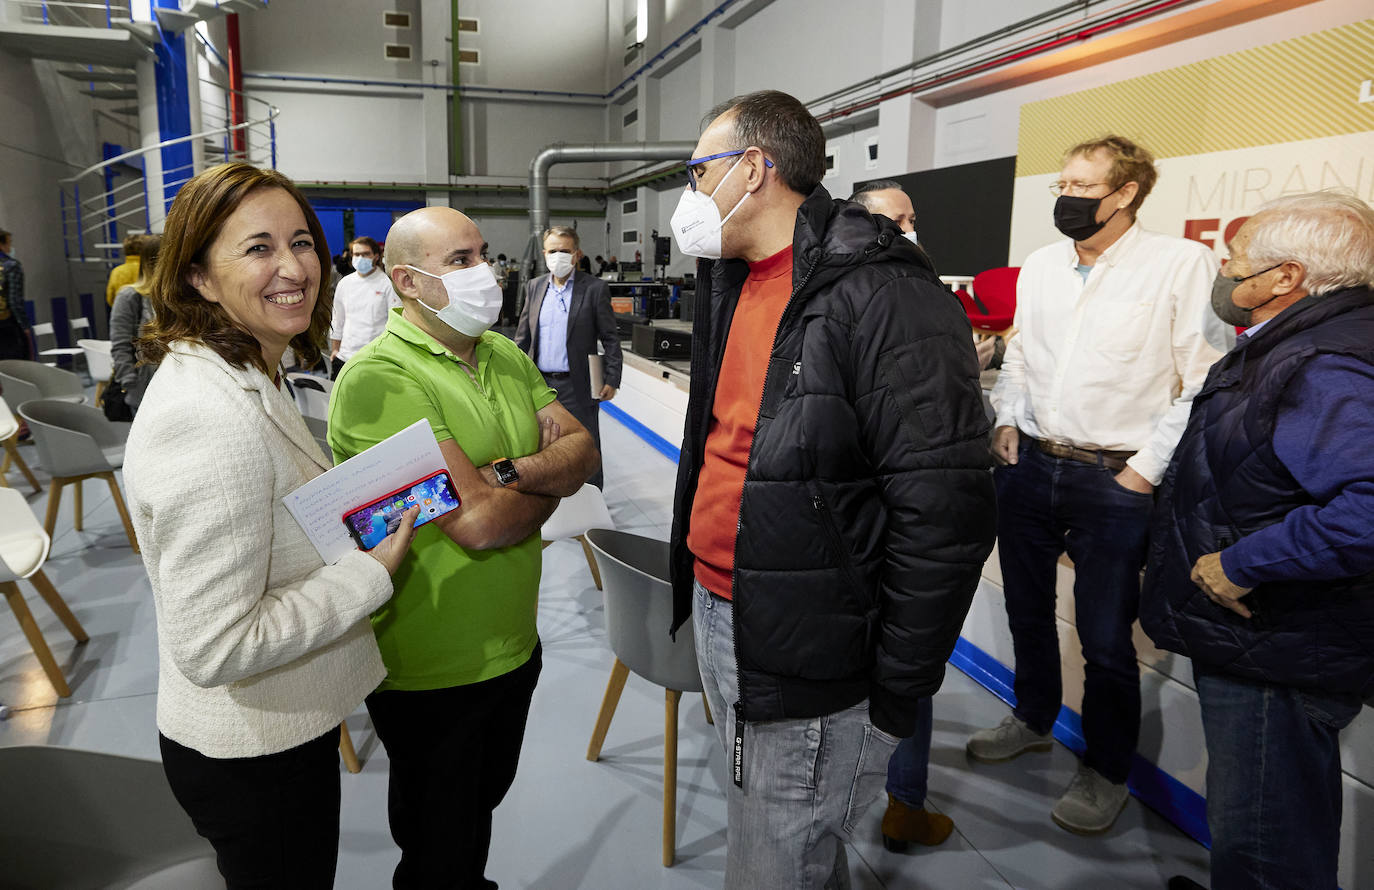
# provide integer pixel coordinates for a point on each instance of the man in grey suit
(564, 314)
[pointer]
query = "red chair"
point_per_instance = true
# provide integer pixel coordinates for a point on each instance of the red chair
(992, 304)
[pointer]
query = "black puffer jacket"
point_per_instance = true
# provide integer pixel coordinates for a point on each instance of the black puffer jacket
(868, 509)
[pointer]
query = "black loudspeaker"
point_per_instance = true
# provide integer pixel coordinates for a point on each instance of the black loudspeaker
(661, 248)
(654, 342)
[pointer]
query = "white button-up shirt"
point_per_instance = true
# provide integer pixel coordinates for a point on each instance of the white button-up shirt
(1112, 363)
(360, 308)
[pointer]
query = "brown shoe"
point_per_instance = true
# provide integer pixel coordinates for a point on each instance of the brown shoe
(903, 826)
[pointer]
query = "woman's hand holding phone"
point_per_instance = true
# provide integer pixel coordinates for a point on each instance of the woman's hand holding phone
(394, 546)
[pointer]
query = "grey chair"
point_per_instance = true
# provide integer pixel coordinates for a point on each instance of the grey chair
(78, 819)
(24, 381)
(76, 442)
(639, 611)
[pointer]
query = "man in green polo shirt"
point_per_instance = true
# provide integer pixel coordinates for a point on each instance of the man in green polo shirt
(458, 637)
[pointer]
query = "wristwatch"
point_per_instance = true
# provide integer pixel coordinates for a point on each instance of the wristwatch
(505, 470)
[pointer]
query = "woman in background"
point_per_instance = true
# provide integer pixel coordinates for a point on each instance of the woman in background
(130, 312)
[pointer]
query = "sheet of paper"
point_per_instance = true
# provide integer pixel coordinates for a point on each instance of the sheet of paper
(394, 462)
(596, 374)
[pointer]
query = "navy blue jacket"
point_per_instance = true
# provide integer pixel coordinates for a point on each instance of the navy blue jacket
(1226, 482)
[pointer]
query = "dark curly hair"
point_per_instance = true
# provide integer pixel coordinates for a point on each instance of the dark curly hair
(194, 222)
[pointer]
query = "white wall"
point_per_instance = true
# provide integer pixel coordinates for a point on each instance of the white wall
(808, 47)
(48, 132)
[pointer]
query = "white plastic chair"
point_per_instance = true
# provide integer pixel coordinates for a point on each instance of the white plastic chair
(574, 517)
(99, 363)
(639, 611)
(24, 381)
(79, 326)
(23, 550)
(76, 442)
(312, 398)
(9, 433)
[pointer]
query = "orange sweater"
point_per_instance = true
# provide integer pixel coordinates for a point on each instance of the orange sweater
(739, 392)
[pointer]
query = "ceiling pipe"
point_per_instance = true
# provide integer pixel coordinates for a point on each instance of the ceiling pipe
(559, 153)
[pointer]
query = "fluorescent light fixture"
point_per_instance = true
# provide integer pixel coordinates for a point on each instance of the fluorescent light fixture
(141, 10)
(641, 21)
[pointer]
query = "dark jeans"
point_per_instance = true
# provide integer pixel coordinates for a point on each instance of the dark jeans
(453, 756)
(273, 820)
(587, 410)
(908, 771)
(1273, 782)
(14, 343)
(1045, 507)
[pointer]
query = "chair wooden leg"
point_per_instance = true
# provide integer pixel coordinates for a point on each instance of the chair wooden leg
(12, 455)
(58, 605)
(123, 511)
(100, 386)
(544, 545)
(619, 672)
(54, 499)
(670, 702)
(346, 750)
(706, 706)
(76, 505)
(40, 645)
(591, 560)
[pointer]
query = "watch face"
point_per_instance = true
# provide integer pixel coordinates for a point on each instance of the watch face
(505, 471)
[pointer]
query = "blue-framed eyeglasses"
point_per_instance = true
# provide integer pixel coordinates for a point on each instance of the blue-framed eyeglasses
(693, 174)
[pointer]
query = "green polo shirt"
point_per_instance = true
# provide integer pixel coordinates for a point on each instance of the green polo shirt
(457, 616)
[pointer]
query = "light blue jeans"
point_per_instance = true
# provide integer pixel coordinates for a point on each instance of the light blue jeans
(806, 782)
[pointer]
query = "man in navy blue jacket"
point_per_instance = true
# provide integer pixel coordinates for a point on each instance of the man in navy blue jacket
(1262, 548)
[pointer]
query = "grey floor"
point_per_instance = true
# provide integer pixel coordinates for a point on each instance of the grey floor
(568, 823)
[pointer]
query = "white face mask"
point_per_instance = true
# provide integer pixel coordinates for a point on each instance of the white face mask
(362, 264)
(560, 264)
(696, 222)
(910, 236)
(474, 299)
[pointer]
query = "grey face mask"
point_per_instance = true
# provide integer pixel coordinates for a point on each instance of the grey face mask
(1223, 286)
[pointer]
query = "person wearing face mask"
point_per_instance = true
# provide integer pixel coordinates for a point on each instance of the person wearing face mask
(833, 506)
(361, 302)
(564, 315)
(1261, 565)
(1114, 338)
(887, 197)
(458, 637)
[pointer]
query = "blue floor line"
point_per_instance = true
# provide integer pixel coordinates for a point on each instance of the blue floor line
(1151, 785)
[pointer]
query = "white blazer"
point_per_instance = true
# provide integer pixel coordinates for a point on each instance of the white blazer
(261, 646)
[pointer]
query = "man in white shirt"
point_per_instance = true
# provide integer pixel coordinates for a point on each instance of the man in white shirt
(1115, 337)
(361, 303)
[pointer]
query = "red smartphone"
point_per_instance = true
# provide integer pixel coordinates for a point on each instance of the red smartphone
(373, 521)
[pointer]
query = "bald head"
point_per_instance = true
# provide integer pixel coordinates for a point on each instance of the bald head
(434, 236)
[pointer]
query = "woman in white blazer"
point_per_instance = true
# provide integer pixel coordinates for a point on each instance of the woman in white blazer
(262, 648)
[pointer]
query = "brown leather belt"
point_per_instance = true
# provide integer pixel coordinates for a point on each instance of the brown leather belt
(1112, 460)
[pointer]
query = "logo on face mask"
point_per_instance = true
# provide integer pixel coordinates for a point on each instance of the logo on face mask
(474, 299)
(697, 224)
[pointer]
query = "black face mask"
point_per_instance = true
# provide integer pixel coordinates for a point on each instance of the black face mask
(1077, 217)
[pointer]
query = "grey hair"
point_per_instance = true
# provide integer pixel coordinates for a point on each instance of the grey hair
(864, 193)
(1330, 233)
(564, 232)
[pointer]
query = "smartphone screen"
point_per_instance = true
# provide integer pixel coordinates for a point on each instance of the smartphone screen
(370, 523)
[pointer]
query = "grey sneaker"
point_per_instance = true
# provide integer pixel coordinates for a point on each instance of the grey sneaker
(1091, 803)
(1008, 739)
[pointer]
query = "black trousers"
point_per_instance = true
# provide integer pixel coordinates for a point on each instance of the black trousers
(453, 756)
(273, 820)
(587, 410)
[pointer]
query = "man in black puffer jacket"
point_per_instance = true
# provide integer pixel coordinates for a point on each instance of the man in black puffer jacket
(834, 506)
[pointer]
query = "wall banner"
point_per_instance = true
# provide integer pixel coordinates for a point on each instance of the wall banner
(1229, 133)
